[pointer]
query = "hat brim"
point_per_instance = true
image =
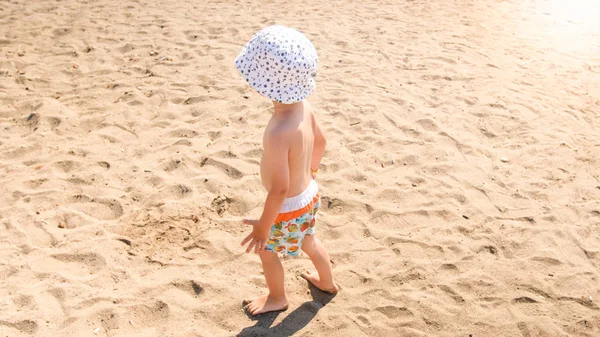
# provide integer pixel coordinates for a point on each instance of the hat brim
(303, 92)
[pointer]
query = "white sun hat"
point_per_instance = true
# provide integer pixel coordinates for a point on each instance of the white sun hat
(280, 63)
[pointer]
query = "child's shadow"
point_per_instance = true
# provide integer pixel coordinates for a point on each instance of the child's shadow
(293, 323)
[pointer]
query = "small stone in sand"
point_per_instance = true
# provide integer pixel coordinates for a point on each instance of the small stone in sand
(504, 159)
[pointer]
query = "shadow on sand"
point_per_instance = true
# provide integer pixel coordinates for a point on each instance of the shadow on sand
(294, 322)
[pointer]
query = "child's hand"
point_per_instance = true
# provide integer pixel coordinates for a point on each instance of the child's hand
(258, 238)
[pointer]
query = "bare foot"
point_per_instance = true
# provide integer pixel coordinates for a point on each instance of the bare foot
(264, 304)
(313, 278)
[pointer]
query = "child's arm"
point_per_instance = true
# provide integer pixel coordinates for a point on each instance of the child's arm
(318, 147)
(276, 158)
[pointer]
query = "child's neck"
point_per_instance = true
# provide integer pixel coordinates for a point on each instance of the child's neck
(281, 109)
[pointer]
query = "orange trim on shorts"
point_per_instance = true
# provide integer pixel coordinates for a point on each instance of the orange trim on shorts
(297, 213)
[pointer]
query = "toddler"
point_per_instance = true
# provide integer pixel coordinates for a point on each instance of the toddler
(281, 63)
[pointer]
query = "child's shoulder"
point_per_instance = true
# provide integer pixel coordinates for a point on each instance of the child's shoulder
(283, 128)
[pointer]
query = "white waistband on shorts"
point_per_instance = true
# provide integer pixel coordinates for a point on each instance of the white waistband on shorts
(301, 200)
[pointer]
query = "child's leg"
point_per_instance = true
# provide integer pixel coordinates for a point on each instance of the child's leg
(276, 299)
(313, 247)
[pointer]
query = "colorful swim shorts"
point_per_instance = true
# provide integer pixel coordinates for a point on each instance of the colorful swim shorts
(296, 219)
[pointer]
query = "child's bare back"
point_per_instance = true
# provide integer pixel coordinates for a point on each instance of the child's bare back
(296, 127)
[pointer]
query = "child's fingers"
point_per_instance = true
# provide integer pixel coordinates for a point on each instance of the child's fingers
(258, 247)
(245, 241)
(250, 246)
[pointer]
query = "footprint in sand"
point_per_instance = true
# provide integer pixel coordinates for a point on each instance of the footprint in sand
(35, 183)
(254, 153)
(32, 121)
(178, 191)
(221, 203)
(337, 206)
(24, 302)
(428, 124)
(488, 249)
(183, 133)
(67, 165)
(27, 326)
(99, 208)
(214, 135)
(191, 287)
(61, 31)
(395, 312)
(449, 267)
(194, 100)
(149, 315)
(54, 122)
(70, 219)
(34, 233)
(109, 319)
(192, 36)
(215, 30)
(549, 261)
(183, 142)
(173, 165)
(126, 48)
(455, 296)
(524, 300)
(357, 147)
(230, 171)
(91, 260)
(79, 263)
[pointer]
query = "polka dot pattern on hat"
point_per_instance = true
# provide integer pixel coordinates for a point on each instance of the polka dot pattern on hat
(280, 63)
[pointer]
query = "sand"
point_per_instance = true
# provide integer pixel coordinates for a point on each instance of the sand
(461, 183)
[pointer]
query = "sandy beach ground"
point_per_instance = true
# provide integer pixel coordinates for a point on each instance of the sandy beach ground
(461, 183)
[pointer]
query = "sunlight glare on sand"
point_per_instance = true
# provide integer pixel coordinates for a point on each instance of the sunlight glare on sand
(571, 26)
(574, 11)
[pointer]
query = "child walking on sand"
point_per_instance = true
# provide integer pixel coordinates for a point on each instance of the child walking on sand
(281, 63)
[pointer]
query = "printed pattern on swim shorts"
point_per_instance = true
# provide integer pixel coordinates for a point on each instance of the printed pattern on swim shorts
(286, 236)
